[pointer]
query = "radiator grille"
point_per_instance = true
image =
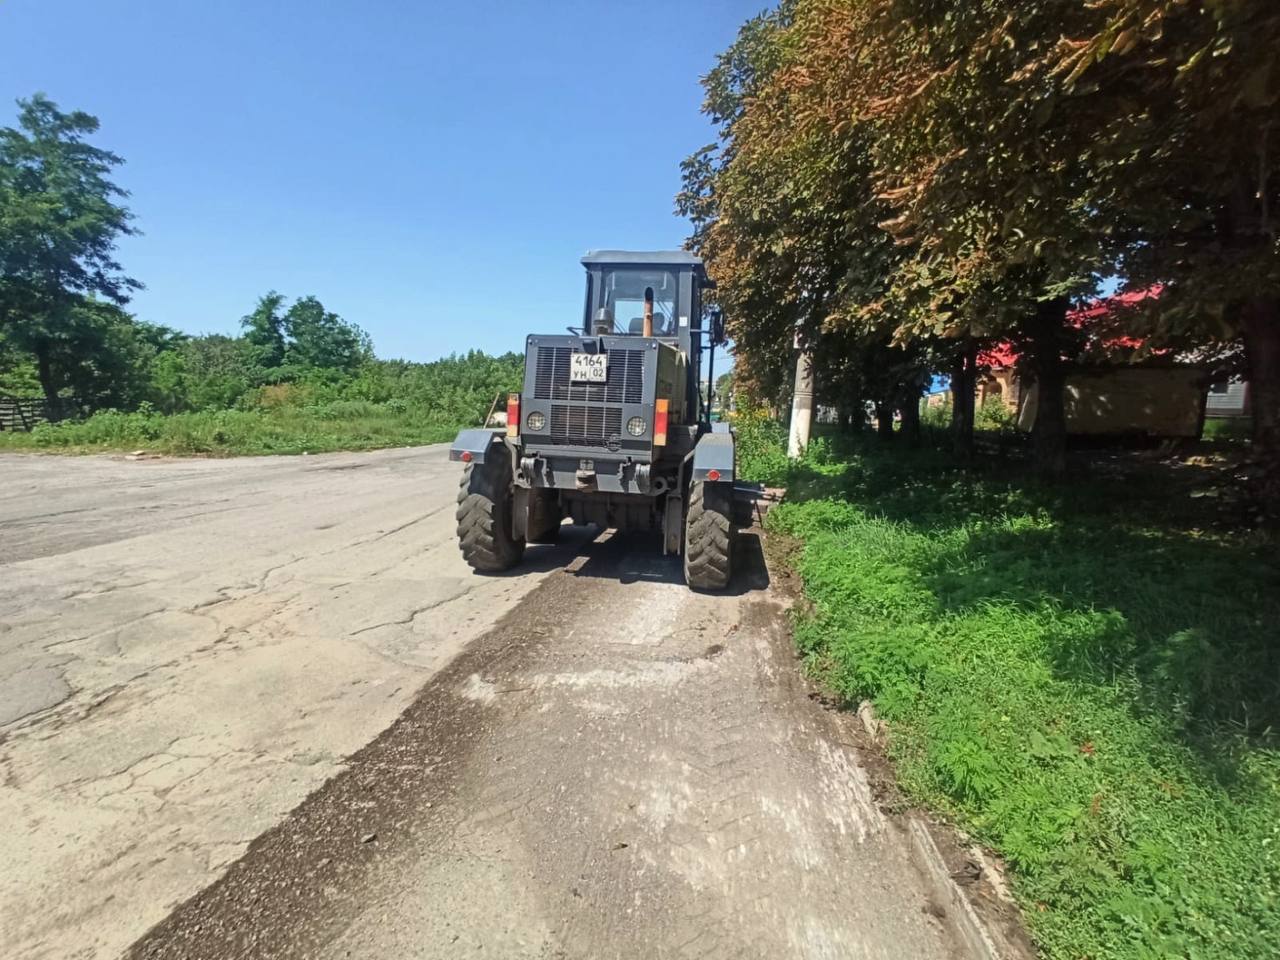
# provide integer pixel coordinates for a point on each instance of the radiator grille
(584, 426)
(625, 383)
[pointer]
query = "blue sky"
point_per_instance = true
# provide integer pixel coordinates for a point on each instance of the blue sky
(431, 171)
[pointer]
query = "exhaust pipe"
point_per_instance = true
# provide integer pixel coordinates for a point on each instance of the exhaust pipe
(648, 311)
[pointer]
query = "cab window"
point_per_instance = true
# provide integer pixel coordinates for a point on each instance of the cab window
(623, 298)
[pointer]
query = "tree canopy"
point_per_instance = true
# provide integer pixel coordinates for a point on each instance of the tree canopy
(60, 218)
(902, 181)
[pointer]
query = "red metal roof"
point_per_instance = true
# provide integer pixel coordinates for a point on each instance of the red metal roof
(1005, 354)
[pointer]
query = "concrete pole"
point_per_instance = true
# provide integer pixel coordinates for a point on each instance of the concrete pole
(801, 406)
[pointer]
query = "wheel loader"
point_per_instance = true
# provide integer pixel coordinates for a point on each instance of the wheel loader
(612, 427)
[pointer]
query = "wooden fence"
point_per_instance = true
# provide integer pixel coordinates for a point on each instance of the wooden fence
(23, 413)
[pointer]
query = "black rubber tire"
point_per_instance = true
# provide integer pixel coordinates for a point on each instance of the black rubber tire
(484, 516)
(708, 536)
(552, 533)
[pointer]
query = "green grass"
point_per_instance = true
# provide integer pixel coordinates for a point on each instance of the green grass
(1228, 428)
(1085, 677)
(339, 425)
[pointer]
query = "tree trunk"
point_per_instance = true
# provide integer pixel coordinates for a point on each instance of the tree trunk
(962, 388)
(884, 420)
(44, 370)
(910, 410)
(1046, 333)
(1260, 324)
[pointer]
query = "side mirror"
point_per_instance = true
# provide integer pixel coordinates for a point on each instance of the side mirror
(717, 326)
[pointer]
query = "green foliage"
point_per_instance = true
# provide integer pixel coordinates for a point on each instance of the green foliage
(385, 404)
(894, 179)
(761, 446)
(288, 343)
(215, 371)
(936, 416)
(995, 416)
(1232, 429)
(60, 218)
(345, 425)
(321, 340)
(264, 330)
(1083, 678)
(17, 371)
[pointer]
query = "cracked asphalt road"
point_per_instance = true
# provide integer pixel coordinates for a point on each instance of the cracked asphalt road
(583, 760)
(619, 769)
(190, 647)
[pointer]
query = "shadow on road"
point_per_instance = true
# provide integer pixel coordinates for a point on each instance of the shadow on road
(636, 557)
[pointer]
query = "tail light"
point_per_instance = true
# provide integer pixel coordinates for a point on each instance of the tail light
(660, 423)
(513, 414)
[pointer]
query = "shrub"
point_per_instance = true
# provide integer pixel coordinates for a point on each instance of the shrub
(994, 415)
(937, 416)
(761, 444)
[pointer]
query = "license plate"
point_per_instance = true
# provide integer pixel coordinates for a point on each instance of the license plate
(588, 367)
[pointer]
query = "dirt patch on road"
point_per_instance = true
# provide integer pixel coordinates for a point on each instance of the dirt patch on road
(291, 890)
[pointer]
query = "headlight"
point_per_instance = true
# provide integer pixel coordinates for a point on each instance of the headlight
(636, 426)
(537, 420)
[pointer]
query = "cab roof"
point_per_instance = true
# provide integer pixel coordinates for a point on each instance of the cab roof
(653, 258)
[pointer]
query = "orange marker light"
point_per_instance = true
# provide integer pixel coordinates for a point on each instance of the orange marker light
(660, 422)
(513, 415)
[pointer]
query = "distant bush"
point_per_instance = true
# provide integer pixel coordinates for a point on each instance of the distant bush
(1235, 429)
(343, 425)
(384, 403)
(936, 416)
(761, 444)
(348, 410)
(994, 415)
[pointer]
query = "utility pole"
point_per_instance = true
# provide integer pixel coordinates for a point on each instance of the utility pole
(802, 402)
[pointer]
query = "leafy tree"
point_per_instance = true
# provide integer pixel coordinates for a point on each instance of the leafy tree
(987, 166)
(60, 218)
(170, 387)
(217, 370)
(264, 330)
(896, 172)
(303, 337)
(320, 339)
(1186, 119)
(106, 356)
(17, 369)
(786, 214)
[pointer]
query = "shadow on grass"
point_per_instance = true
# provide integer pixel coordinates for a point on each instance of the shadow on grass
(1187, 616)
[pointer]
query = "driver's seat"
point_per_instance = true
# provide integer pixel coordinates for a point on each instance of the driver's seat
(636, 326)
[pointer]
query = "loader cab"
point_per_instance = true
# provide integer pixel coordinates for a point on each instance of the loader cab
(623, 287)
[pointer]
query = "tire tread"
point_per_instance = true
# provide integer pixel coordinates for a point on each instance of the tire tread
(708, 542)
(484, 518)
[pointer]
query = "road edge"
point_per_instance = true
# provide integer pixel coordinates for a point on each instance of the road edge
(988, 929)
